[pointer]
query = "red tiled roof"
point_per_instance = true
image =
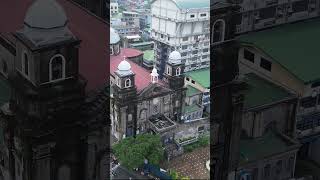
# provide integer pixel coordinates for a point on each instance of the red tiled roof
(92, 31)
(142, 78)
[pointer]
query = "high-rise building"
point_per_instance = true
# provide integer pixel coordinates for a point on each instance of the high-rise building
(182, 26)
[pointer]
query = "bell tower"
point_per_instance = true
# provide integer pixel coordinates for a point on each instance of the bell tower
(47, 91)
(174, 77)
(125, 94)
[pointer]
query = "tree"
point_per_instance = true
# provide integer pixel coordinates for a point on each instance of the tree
(132, 151)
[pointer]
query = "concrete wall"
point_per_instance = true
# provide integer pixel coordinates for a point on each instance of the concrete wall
(278, 75)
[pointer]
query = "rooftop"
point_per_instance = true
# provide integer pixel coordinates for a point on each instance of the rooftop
(262, 92)
(191, 4)
(142, 76)
(263, 147)
(201, 76)
(148, 55)
(87, 27)
(289, 45)
(161, 123)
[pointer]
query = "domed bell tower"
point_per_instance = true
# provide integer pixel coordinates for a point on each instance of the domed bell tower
(47, 91)
(174, 77)
(125, 94)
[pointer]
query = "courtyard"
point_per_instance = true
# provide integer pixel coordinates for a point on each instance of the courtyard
(191, 164)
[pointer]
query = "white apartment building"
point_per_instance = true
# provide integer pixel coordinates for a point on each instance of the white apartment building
(260, 14)
(182, 25)
(114, 8)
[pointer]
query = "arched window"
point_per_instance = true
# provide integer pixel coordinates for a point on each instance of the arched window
(178, 71)
(127, 83)
(57, 68)
(25, 64)
(218, 32)
(64, 173)
(111, 51)
(4, 67)
(168, 71)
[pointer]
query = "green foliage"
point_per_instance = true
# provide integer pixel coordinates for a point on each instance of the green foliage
(203, 141)
(132, 151)
(176, 176)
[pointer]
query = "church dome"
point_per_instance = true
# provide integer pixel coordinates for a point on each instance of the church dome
(45, 14)
(124, 66)
(175, 57)
(114, 36)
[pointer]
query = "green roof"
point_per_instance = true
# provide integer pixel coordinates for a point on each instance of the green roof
(201, 76)
(148, 55)
(294, 46)
(141, 44)
(5, 91)
(189, 4)
(191, 108)
(192, 91)
(262, 92)
(270, 143)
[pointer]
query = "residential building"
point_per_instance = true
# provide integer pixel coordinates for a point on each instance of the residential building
(255, 15)
(199, 80)
(259, 54)
(181, 26)
(268, 147)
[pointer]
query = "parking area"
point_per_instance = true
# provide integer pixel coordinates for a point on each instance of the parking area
(192, 164)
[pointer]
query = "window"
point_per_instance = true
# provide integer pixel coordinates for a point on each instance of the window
(308, 102)
(290, 164)
(203, 15)
(111, 50)
(205, 50)
(183, 54)
(279, 167)
(168, 70)
(248, 55)
(265, 64)
(316, 84)
(64, 172)
(57, 68)
(185, 39)
(192, 16)
(267, 170)
(4, 67)
(267, 13)
(300, 6)
(127, 83)
(161, 36)
(178, 71)
(195, 52)
(168, 38)
(25, 64)
(185, 47)
(218, 31)
(129, 117)
(204, 56)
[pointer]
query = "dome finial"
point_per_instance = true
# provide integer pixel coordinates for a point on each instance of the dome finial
(154, 75)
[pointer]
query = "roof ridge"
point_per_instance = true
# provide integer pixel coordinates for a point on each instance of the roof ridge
(88, 12)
